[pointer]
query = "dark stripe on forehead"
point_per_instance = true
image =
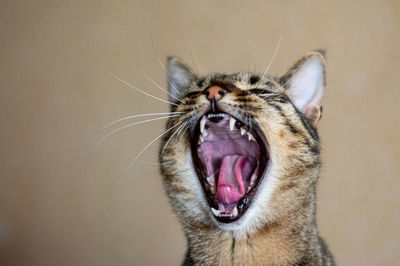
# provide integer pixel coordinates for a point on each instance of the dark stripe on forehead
(245, 100)
(246, 107)
(269, 84)
(242, 93)
(200, 83)
(281, 98)
(254, 79)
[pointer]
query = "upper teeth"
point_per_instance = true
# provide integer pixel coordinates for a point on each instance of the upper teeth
(215, 115)
(203, 124)
(251, 137)
(232, 122)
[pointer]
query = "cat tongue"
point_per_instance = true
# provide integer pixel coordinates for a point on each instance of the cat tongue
(231, 179)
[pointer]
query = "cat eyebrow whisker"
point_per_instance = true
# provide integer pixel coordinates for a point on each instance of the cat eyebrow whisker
(172, 136)
(130, 125)
(139, 90)
(197, 65)
(155, 52)
(161, 88)
(272, 58)
(148, 145)
(134, 116)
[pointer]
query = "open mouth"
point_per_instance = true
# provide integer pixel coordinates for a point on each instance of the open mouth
(230, 159)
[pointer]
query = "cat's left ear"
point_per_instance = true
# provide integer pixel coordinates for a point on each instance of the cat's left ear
(180, 77)
(305, 82)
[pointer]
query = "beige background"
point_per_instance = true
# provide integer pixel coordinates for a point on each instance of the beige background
(62, 202)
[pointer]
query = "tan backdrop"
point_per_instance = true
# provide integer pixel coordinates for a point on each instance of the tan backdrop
(62, 202)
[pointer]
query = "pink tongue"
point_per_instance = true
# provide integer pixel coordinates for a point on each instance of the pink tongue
(230, 175)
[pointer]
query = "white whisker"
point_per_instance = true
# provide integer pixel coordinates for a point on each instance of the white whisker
(184, 130)
(161, 88)
(139, 115)
(172, 136)
(272, 57)
(194, 60)
(148, 145)
(130, 125)
(156, 54)
(145, 93)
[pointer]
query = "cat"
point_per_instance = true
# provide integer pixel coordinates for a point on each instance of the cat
(240, 164)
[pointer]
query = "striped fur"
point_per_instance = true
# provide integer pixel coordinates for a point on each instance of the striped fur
(279, 228)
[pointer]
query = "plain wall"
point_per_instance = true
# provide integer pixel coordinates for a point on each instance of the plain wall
(64, 202)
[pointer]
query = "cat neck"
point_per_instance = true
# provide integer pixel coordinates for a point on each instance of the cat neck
(289, 240)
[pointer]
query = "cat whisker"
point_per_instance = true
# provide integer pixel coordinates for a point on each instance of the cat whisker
(161, 88)
(184, 130)
(272, 58)
(139, 90)
(130, 125)
(155, 52)
(148, 145)
(134, 116)
(197, 66)
(172, 136)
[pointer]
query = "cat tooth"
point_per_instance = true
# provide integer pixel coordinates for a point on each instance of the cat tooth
(242, 131)
(216, 212)
(202, 124)
(201, 138)
(253, 178)
(232, 122)
(205, 133)
(251, 137)
(235, 212)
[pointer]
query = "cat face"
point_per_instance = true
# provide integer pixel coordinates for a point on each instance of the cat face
(244, 150)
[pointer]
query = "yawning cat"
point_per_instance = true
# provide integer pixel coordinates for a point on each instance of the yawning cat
(240, 164)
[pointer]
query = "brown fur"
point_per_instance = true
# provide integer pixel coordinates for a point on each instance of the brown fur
(284, 231)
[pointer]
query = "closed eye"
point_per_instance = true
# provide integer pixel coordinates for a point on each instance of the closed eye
(192, 94)
(260, 91)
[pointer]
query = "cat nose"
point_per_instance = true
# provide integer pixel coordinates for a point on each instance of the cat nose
(214, 93)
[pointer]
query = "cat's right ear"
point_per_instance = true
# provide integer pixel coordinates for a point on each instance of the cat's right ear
(180, 77)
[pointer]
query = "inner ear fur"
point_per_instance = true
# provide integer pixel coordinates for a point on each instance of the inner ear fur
(305, 83)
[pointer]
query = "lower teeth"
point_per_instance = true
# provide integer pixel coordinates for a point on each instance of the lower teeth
(230, 215)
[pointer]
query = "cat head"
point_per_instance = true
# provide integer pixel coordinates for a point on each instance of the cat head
(243, 149)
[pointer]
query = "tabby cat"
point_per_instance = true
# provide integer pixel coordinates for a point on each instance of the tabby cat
(240, 164)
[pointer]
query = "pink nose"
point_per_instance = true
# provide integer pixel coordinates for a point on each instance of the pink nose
(214, 93)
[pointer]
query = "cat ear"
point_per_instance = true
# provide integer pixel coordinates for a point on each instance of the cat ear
(180, 77)
(305, 82)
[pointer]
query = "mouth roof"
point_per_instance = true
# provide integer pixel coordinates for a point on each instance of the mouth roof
(230, 160)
